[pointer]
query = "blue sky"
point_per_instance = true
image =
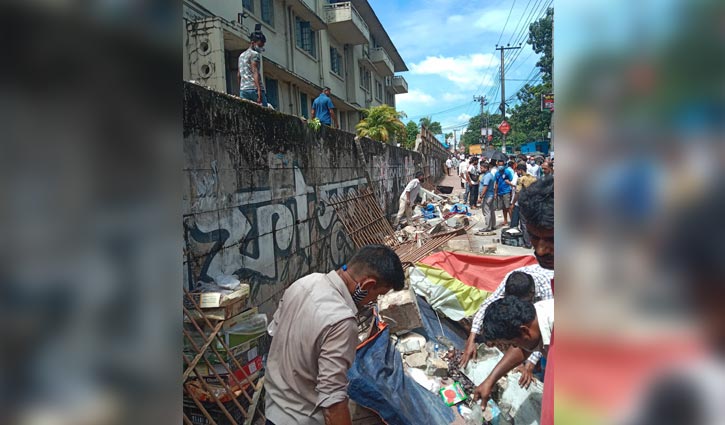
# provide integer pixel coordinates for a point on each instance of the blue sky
(449, 49)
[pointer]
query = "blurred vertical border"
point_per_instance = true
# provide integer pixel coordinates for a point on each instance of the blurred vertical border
(92, 241)
(640, 125)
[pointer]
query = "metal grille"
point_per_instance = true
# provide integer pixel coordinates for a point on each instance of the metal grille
(363, 218)
(366, 224)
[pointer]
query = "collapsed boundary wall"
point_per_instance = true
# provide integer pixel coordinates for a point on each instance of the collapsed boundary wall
(256, 190)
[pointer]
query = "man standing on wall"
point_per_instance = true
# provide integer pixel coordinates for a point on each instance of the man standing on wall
(314, 336)
(324, 109)
(249, 74)
(407, 198)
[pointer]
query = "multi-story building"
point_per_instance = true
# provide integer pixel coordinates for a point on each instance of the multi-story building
(310, 44)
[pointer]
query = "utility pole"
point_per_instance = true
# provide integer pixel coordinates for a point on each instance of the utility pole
(455, 144)
(503, 90)
(482, 101)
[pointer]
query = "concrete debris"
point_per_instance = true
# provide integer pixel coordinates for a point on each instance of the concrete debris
(410, 343)
(513, 401)
(457, 221)
(432, 384)
(399, 309)
(438, 228)
(437, 367)
(418, 360)
(439, 218)
(489, 248)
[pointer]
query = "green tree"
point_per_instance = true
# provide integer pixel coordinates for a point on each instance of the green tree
(411, 130)
(540, 39)
(382, 123)
(528, 121)
(432, 126)
(472, 136)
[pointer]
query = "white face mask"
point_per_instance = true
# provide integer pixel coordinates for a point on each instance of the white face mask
(258, 49)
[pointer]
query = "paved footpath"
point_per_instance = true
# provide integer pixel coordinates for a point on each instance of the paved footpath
(472, 242)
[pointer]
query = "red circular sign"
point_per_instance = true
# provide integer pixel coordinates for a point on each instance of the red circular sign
(504, 127)
(490, 137)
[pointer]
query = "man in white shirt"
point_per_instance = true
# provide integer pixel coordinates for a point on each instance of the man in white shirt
(532, 168)
(449, 165)
(407, 198)
(462, 170)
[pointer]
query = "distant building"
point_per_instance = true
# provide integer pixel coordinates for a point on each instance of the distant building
(310, 44)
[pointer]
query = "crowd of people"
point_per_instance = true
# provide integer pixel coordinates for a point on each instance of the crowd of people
(307, 383)
(493, 184)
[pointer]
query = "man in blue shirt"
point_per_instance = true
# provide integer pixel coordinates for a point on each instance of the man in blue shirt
(323, 109)
(504, 177)
(487, 193)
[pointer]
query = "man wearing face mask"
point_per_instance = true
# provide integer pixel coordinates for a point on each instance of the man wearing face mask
(315, 336)
(251, 86)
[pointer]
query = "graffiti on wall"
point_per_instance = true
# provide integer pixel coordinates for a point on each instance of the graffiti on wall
(268, 240)
(391, 179)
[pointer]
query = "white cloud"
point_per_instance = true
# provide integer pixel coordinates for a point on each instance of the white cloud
(463, 117)
(413, 98)
(493, 20)
(454, 97)
(455, 19)
(467, 71)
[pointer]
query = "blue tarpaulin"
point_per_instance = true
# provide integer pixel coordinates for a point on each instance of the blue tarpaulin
(433, 330)
(378, 382)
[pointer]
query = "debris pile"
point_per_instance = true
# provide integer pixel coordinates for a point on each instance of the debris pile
(437, 213)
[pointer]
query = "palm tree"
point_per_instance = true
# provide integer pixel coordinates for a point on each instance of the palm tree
(432, 126)
(380, 123)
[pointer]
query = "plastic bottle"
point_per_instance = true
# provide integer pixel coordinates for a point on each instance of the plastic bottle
(476, 417)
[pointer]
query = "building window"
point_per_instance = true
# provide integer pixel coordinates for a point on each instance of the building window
(365, 78)
(303, 105)
(378, 90)
(374, 42)
(305, 37)
(335, 61)
(268, 12)
(248, 4)
(272, 92)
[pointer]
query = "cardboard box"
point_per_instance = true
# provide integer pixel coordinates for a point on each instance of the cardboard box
(220, 313)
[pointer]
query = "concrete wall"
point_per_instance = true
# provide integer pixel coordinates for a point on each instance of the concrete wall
(256, 184)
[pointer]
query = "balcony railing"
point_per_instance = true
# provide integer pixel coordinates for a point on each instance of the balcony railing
(345, 24)
(399, 84)
(381, 61)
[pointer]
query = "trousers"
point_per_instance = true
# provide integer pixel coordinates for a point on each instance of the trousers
(404, 209)
(489, 214)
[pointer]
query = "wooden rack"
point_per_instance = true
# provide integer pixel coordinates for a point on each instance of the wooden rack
(223, 393)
